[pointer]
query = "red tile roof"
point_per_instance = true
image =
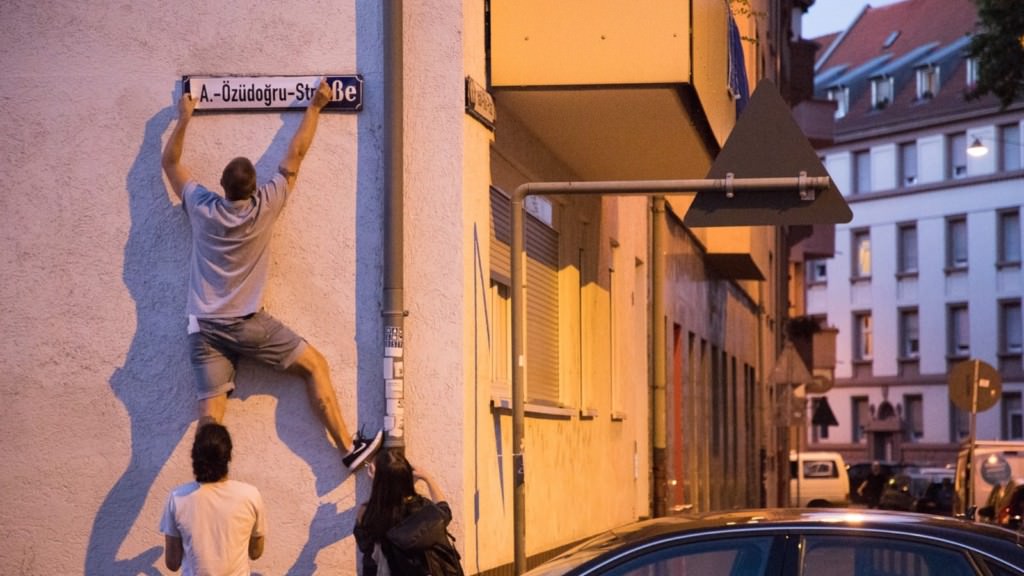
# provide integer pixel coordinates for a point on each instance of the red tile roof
(915, 29)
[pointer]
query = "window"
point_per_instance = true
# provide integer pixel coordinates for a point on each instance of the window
(913, 409)
(972, 71)
(857, 555)
(959, 332)
(863, 342)
(737, 555)
(927, 82)
(881, 92)
(1010, 328)
(957, 155)
(501, 339)
(908, 163)
(541, 245)
(1009, 237)
(956, 243)
(1010, 146)
(959, 423)
(841, 96)
(862, 172)
(909, 340)
(1012, 416)
(817, 271)
(861, 254)
(906, 250)
(861, 413)
(820, 469)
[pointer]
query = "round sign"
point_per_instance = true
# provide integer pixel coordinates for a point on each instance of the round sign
(995, 469)
(971, 374)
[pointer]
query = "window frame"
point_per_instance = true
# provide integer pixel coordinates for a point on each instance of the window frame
(905, 314)
(956, 152)
(882, 92)
(860, 242)
(958, 331)
(1010, 147)
(861, 171)
(906, 178)
(863, 337)
(1011, 344)
(971, 66)
(906, 249)
(1008, 237)
(927, 79)
(1011, 414)
(957, 243)
(841, 96)
(913, 409)
(814, 278)
(860, 414)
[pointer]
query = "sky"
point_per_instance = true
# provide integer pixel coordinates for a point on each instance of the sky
(827, 16)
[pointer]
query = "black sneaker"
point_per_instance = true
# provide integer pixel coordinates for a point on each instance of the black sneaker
(362, 448)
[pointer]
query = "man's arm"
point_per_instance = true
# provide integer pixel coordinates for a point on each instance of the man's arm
(171, 159)
(304, 135)
(173, 552)
(256, 547)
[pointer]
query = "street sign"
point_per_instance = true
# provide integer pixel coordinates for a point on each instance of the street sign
(823, 415)
(767, 143)
(790, 369)
(272, 92)
(971, 374)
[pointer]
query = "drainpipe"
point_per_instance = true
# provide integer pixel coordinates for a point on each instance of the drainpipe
(658, 416)
(393, 310)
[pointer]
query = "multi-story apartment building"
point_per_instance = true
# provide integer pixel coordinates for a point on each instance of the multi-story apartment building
(928, 273)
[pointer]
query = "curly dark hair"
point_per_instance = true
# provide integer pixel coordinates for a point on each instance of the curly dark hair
(211, 453)
(239, 179)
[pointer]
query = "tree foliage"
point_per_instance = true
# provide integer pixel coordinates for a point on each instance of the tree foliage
(998, 46)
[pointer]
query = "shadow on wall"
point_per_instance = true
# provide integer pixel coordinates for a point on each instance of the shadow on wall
(156, 386)
(151, 384)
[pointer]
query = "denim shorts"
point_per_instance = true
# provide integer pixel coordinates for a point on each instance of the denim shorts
(220, 342)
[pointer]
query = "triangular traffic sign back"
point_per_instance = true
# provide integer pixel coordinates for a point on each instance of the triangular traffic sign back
(767, 143)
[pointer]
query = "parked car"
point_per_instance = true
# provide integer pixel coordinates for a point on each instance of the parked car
(781, 542)
(897, 494)
(1008, 510)
(920, 490)
(819, 480)
(858, 471)
(995, 463)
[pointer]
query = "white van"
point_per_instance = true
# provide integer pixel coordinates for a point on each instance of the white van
(818, 479)
(996, 465)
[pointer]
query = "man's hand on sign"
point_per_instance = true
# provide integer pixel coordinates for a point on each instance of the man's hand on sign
(186, 105)
(324, 93)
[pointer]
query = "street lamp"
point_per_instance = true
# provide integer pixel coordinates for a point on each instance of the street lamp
(977, 149)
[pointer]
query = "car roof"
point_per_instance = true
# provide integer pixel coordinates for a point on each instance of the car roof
(970, 534)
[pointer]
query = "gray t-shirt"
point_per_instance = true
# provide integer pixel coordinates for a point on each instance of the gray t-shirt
(230, 248)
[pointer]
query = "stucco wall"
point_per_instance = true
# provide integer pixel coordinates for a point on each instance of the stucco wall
(97, 411)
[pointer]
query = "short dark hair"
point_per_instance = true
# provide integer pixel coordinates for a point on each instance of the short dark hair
(211, 453)
(239, 179)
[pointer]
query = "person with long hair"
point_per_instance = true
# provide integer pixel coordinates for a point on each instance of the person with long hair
(393, 502)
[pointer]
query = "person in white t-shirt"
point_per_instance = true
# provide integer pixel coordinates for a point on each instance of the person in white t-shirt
(213, 526)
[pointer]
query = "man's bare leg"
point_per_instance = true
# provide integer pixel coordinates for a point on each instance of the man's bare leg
(212, 409)
(313, 368)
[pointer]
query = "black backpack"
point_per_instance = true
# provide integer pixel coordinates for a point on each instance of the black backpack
(422, 546)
